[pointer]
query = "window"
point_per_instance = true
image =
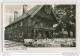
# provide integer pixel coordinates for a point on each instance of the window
(21, 34)
(21, 23)
(41, 24)
(11, 27)
(29, 22)
(48, 10)
(15, 26)
(7, 29)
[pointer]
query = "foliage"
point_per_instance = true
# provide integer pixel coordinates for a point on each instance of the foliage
(65, 13)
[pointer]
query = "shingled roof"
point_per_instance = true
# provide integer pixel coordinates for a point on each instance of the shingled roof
(31, 13)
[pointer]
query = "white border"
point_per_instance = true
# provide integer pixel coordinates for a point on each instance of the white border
(50, 50)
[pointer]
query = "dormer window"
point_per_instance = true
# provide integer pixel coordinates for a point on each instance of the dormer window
(21, 23)
(16, 26)
(47, 9)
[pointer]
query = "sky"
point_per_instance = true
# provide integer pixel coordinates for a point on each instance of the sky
(8, 12)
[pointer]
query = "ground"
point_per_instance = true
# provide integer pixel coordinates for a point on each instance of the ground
(12, 45)
(57, 42)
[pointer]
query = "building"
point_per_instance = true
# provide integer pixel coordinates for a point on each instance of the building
(37, 23)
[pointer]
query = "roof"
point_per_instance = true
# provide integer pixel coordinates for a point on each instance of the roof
(30, 13)
(44, 28)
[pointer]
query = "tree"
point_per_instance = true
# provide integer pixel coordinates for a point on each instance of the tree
(65, 15)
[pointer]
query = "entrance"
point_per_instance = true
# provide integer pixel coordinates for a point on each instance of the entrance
(41, 33)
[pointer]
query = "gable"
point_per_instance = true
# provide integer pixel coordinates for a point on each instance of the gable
(46, 12)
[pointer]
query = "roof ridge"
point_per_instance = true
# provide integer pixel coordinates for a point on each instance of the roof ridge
(36, 11)
(28, 13)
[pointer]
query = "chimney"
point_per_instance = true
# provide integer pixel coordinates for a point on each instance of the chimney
(10, 20)
(24, 9)
(15, 15)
